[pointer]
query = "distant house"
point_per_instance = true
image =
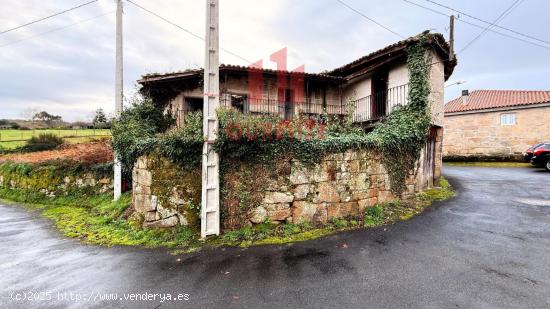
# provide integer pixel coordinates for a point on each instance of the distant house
(495, 123)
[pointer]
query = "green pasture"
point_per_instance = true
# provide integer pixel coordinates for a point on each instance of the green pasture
(10, 139)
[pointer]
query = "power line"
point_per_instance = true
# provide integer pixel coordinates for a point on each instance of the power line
(514, 5)
(369, 18)
(487, 22)
(56, 29)
(477, 26)
(44, 18)
(186, 30)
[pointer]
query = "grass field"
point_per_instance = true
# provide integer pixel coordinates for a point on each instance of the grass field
(10, 139)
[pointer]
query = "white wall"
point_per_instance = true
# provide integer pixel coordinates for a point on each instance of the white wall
(398, 75)
(437, 89)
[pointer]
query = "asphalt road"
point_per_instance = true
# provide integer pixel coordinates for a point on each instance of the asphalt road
(487, 248)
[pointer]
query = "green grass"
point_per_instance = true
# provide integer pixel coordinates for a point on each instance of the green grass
(9, 139)
(488, 164)
(99, 220)
(445, 191)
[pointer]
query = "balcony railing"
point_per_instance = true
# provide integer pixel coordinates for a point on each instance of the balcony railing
(378, 105)
(287, 110)
(367, 109)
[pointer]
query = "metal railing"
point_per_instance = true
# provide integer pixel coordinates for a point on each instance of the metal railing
(287, 110)
(378, 105)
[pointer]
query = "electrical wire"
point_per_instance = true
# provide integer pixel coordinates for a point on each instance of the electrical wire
(56, 29)
(369, 18)
(477, 26)
(183, 29)
(499, 18)
(44, 18)
(487, 22)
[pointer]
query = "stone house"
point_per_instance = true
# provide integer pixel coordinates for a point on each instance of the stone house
(495, 124)
(342, 184)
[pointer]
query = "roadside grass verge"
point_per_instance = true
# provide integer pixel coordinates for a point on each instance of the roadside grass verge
(99, 220)
(488, 164)
(96, 219)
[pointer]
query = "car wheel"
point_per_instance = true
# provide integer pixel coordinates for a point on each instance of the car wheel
(547, 165)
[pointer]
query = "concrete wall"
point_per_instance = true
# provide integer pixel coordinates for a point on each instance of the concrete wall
(481, 134)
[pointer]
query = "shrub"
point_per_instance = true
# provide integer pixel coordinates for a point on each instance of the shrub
(42, 142)
(183, 146)
(374, 216)
(135, 132)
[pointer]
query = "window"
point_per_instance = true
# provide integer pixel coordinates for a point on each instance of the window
(240, 103)
(508, 119)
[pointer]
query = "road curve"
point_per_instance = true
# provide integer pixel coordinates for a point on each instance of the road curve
(489, 247)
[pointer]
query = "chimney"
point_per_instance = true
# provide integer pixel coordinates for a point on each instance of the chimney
(465, 96)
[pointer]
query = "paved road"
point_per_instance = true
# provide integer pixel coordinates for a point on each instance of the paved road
(487, 248)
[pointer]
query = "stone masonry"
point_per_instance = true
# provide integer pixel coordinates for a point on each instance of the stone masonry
(164, 195)
(52, 185)
(481, 133)
(340, 185)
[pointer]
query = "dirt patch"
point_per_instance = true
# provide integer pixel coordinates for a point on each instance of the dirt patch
(86, 153)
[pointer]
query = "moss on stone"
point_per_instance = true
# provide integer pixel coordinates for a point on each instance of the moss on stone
(170, 182)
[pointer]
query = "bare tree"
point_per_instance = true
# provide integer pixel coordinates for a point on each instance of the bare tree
(28, 113)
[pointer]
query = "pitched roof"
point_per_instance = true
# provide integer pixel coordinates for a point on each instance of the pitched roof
(228, 68)
(436, 40)
(487, 99)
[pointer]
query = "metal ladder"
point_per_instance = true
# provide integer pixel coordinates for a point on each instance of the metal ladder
(210, 207)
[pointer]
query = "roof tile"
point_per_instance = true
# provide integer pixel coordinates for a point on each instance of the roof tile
(487, 99)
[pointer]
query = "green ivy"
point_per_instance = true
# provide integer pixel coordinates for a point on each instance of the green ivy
(135, 132)
(266, 138)
(183, 146)
(401, 136)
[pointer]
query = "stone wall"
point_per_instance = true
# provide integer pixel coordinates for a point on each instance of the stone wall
(54, 180)
(481, 134)
(164, 194)
(340, 185)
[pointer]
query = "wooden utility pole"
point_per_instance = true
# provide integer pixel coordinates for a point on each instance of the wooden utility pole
(210, 206)
(117, 182)
(452, 38)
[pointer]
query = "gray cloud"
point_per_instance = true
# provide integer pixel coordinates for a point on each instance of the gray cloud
(71, 71)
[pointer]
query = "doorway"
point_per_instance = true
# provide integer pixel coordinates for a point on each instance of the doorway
(379, 93)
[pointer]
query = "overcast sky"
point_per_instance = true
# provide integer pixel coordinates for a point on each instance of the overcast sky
(70, 71)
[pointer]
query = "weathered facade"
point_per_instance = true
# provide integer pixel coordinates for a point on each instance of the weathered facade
(495, 124)
(342, 184)
(371, 87)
